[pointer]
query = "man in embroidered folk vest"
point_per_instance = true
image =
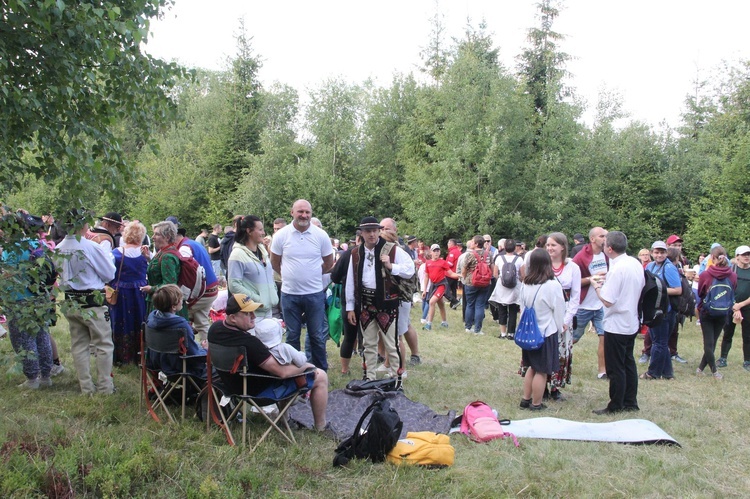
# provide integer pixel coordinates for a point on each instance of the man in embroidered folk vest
(372, 298)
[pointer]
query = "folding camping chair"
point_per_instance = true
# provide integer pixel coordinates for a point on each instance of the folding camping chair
(233, 362)
(166, 341)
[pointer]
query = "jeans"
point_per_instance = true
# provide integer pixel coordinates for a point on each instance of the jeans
(476, 301)
(661, 359)
(583, 317)
(216, 265)
(621, 371)
(314, 307)
(34, 348)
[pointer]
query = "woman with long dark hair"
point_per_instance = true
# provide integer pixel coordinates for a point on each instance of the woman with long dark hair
(249, 270)
(542, 291)
(568, 275)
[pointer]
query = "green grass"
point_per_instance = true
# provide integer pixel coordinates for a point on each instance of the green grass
(56, 442)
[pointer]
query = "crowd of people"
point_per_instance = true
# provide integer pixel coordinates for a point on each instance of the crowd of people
(269, 285)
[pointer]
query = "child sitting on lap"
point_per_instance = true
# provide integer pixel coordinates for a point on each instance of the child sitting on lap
(269, 331)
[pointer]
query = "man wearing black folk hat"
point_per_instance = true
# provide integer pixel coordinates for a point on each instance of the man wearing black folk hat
(372, 298)
(104, 234)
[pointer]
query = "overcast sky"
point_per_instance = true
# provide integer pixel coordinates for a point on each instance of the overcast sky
(648, 51)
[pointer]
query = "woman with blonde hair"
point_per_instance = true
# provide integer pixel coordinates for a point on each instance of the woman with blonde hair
(131, 261)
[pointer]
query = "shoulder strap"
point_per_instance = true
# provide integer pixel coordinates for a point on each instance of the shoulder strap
(516, 257)
(537, 292)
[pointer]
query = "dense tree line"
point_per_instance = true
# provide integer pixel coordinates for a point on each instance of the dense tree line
(475, 148)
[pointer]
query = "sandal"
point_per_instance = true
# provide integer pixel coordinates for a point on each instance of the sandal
(646, 375)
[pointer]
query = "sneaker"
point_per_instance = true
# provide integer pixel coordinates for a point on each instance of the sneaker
(45, 382)
(718, 375)
(601, 376)
(444, 324)
(746, 365)
(415, 360)
(539, 407)
(455, 304)
(469, 330)
(57, 369)
(423, 321)
(722, 362)
(643, 358)
(30, 384)
(479, 333)
(382, 369)
(525, 403)
(679, 359)
(698, 323)
(427, 326)
(699, 372)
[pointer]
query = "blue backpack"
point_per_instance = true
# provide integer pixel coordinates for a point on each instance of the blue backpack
(719, 299)
(528, 335)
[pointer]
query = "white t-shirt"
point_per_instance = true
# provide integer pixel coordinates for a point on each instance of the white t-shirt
(302, 256)
(623, 290)
(598, 264)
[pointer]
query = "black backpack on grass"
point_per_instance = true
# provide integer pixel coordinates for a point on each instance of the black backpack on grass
(379, 438)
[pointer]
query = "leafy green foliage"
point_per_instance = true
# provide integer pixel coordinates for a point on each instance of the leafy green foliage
(68, 74)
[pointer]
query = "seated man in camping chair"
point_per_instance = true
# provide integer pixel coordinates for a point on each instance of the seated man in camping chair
(167, 301)
(233, 331)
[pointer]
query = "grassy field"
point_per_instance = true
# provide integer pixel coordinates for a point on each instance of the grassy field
(58, 443)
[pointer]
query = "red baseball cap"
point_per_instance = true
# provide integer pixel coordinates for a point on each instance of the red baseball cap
(674, 238)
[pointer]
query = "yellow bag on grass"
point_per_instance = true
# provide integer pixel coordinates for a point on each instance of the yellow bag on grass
(423, 448)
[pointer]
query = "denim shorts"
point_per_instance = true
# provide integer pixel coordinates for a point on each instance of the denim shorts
(584, 317)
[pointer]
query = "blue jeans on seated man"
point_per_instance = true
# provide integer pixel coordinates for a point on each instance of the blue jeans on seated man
(661, 360)
(314, 308)
(476, 301)
(583, 317)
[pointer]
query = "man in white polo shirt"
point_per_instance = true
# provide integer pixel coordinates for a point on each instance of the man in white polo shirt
(301, 253)
(620, 294)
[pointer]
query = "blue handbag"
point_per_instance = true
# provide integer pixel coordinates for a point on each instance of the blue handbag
(528, 335)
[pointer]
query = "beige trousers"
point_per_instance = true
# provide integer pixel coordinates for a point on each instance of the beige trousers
(89, 326)
(390, 339)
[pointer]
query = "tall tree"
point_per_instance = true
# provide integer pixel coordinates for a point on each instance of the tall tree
(542, 64)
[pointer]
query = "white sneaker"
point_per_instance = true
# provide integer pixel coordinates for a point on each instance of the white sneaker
(469, 330)
(30, 384)
(382, 369)
(423, 321)
(57, 369)
(479, 333)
